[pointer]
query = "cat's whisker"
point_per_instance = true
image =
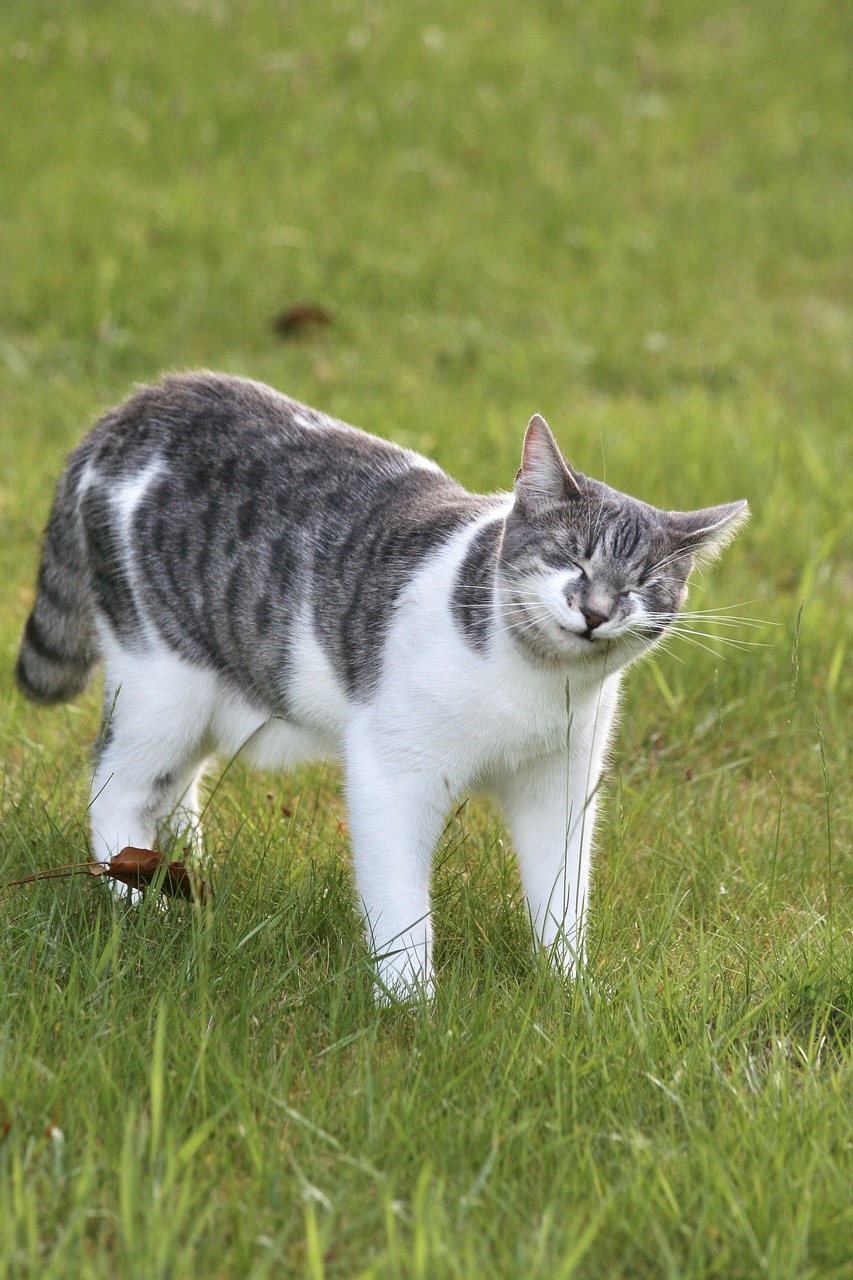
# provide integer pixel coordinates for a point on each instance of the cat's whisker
(731, 642)
(689, 638)
(723, 613)
(723, 642)
(682, 624)
(729, 623)
(660, 646)
(727, 619)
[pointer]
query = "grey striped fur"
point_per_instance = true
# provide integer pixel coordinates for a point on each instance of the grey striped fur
(255, 504)
(255, 507)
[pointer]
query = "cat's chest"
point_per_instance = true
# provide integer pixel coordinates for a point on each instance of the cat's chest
(471, 712)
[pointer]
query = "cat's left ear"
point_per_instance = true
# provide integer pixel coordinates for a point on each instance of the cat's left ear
(544, 477)
(706, 532)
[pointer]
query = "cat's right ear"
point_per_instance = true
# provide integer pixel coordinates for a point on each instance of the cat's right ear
(705, 533)
(544, 477)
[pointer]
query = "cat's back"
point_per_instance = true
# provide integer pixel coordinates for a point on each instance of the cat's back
(218, 511)
(221, 420)
(227, 460)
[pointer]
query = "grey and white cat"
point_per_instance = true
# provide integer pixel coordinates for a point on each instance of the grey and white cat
(256, 575)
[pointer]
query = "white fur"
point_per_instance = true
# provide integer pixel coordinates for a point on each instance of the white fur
(444, 720)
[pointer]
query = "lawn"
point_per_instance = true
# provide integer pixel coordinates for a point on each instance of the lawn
(637, 220)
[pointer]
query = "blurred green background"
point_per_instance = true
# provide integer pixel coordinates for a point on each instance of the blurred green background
(636, 219)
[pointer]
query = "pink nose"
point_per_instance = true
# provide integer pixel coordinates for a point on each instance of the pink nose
(594, 620)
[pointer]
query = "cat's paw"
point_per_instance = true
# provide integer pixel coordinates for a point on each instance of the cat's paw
(403, 978)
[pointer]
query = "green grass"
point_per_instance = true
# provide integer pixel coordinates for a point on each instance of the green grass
(635, 219)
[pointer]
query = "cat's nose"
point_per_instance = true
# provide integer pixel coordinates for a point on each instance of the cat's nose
(594, 620)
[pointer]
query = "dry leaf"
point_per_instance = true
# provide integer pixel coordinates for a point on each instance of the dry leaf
(140, 867)
(300, 318)
(137, 868)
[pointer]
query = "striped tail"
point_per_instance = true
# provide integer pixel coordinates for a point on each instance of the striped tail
(59, 647)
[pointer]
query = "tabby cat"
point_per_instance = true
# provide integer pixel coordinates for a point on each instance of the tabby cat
(256, 575)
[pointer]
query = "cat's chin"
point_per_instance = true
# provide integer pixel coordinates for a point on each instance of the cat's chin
(587, 637)
(566, 647)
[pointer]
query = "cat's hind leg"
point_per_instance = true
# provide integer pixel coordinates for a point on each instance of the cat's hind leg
(157, 712)
(179, 820)
(395, 818)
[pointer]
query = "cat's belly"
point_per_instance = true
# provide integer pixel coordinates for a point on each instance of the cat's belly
(268, 741)
(279, 745)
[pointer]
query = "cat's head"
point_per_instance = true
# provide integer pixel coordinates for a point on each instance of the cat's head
(587, 571)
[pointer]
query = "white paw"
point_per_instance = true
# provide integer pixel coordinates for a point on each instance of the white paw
(403, 977)
(564, 959)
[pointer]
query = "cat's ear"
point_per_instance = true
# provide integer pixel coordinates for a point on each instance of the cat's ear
(706, 532)
(544, 477)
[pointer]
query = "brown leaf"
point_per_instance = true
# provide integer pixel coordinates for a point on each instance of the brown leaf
(140, 867)
(302, 317)
(137, 868)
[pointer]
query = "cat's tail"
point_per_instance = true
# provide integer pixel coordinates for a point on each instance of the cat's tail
(59, 648)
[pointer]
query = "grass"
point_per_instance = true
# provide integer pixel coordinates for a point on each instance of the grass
(636, 220)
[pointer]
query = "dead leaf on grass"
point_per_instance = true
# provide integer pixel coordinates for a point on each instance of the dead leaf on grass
(302, 317)
(137, 868)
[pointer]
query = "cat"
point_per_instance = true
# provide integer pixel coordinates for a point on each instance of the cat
(256, 575)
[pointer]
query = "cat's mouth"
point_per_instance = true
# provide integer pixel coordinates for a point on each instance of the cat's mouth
(591, 636)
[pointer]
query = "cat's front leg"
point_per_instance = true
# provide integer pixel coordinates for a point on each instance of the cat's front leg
(551, 815)
(395, 817)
